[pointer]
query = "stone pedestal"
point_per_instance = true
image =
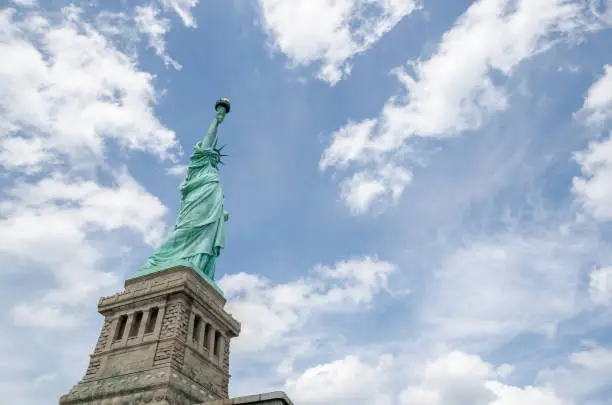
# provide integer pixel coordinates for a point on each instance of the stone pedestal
(165, 341)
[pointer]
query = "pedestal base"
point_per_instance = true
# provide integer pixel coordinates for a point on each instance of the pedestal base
(178, 263)
(154, 387)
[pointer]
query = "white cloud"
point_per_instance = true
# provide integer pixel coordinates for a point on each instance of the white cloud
(348, 144)
(349, 381)
(600, 285)
(331, 32)
(509, 395)
(27, 154)
(452, 378)
(597, 107)
(269, 312)
(68, 91)
(452, 91)
(25, 3)
(594, 187)
(183, 9)
(128, 29)
(365, 188)
(595, 358)
(125, 204)
(155, 28)
(457, 378)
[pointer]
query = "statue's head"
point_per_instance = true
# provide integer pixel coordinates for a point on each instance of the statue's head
(215, 159)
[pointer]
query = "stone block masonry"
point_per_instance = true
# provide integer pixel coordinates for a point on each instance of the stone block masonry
(150, 349)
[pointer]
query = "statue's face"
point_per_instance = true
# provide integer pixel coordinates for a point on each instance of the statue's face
(214, 160)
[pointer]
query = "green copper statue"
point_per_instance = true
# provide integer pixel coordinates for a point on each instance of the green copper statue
(199, 233)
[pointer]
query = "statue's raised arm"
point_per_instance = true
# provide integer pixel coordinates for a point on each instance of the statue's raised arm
(222, 107)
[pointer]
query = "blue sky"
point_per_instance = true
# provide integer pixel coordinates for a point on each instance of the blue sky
(420, 191)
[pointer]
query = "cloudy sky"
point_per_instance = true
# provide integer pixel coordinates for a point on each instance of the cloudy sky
(420, 191)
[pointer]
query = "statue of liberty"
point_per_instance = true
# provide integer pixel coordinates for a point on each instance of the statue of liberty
(199, 233)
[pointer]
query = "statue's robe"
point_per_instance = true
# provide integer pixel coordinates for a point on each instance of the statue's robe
(199, 233)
